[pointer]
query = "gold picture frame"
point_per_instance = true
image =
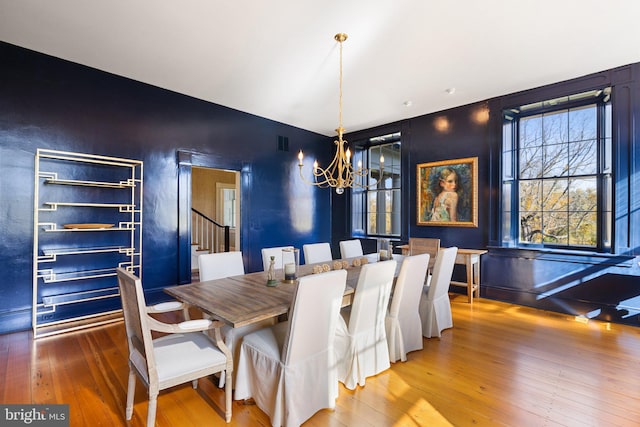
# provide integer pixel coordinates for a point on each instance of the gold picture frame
(447, 193)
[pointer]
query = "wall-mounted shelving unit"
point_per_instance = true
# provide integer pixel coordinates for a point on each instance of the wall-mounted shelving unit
(87, 222)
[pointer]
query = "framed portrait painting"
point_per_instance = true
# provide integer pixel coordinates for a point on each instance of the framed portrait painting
(448, 193)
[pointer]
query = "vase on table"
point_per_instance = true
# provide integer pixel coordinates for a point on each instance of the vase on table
(290, 264)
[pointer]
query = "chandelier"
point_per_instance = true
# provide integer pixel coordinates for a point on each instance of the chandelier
(340, 173)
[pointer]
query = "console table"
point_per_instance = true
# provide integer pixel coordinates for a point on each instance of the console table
(470, 258)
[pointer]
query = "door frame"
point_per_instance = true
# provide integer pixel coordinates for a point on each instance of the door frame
(186, 160)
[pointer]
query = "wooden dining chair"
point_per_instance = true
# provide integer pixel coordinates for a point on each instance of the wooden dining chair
(425, 245)
(317, 252)
(435, 306)
(350, 248)
(361, 339)
(403, 324)
(184, 354)
(289, 369)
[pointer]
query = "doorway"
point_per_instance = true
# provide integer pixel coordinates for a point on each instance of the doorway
(188, 161)
(214, 200)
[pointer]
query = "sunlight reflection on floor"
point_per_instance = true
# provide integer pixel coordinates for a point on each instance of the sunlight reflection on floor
(422, 413)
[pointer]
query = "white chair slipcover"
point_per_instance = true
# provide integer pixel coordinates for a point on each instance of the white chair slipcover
(361, 340)
(183, 354)
(289, 369)
(403, 324)
(317, 252)
(351, 248)
(435, 307)
(218, 266)
(275, 252)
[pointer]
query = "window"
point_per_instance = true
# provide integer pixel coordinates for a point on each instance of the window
(376, 209)
(229, 207)
(556, 173)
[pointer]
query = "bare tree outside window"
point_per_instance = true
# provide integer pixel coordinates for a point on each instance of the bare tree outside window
(560, 173)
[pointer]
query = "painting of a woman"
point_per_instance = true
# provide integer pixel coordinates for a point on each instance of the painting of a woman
(447, 193)
(445, 205)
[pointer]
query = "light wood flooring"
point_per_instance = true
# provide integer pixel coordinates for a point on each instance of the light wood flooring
(500, 365)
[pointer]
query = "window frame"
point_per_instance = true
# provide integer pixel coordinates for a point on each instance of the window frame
(510, 152)
(360, 214)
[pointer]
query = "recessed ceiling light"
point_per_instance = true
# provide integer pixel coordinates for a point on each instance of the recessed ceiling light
(451, 90)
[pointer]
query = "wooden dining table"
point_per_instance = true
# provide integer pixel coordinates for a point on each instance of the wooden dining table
(246, 299)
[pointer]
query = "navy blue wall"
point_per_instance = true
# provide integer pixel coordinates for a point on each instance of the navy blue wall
(49, 103)
(594, 285)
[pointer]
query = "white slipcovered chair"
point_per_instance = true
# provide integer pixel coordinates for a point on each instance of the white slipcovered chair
(435, 307)
(361, 339)
(289, 369)
(351, 248)
(185, 354)
(218, 266)
(403, 324)
(276, 253)
(317, 252)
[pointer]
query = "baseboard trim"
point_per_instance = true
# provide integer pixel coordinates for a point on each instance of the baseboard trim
(77, 324)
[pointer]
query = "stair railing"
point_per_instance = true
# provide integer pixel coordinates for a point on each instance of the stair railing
(203, 232)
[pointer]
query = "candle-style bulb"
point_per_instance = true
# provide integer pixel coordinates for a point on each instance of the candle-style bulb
(300, 157)
(348, 156)
(315, 165)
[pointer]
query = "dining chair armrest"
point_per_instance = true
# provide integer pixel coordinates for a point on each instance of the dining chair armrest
(165, 307)
(197, 325)
(209, 326)
(217, 337)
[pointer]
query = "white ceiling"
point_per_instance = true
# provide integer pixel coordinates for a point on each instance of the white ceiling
(278, 58)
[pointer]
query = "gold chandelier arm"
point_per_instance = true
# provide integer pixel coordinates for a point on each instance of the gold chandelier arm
(340, 173)
(351, 178)
(336, 158)
(318, 184)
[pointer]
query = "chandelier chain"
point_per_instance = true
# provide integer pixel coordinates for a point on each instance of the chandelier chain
(340, 98)
(340, 173)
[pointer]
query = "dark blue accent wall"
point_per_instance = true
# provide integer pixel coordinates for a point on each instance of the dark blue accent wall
(600, 286)
(50, 103)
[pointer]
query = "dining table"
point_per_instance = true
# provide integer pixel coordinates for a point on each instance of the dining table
(246, 299)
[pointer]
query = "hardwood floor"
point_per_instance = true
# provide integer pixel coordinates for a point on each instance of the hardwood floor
(500, 365)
